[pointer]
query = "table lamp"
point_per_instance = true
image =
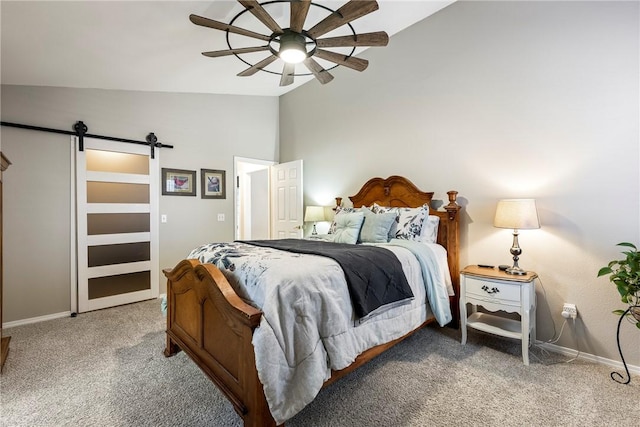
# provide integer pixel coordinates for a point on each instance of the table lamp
(314, 214)
(518, 214)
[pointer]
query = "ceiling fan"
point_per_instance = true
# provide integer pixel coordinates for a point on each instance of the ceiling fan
(294, 45)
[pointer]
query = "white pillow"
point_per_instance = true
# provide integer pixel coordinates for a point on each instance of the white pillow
(348, 227)
(430, 229)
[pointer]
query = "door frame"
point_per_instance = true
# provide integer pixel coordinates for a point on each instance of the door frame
(238, 191)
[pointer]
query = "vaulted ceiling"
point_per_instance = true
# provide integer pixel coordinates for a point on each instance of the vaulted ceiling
(152, 45)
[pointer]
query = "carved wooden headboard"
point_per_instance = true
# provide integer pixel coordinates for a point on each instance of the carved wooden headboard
(397, 191)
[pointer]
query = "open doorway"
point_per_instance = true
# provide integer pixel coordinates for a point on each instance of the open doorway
(251, 198)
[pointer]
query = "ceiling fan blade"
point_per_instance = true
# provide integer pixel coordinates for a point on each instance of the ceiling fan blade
(299, 10)
(287, 74)
(321, 74)
(352, 62)
(354, 9)
(379, 38)
(257, 67)
(210, 23)
(258, 11)
(218, 53)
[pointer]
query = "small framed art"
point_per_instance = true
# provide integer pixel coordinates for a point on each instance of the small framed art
(213, 184)
(178, 182)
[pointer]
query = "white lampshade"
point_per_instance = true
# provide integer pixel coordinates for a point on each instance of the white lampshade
(518, 214)
(315, 214)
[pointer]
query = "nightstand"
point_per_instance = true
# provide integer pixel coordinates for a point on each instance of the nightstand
(495, 290)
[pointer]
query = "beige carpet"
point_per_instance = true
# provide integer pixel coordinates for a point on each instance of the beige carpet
(106, 368)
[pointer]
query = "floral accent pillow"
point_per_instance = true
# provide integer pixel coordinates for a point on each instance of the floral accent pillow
(339, 210)
(410, 221)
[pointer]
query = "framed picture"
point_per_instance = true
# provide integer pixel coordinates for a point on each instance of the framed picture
(213, 184)
(178, 182)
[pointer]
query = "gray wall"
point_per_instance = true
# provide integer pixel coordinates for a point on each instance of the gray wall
(499, 100)
(206, 131)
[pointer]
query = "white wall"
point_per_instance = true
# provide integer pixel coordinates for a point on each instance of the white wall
(499, 100)
(207, 131)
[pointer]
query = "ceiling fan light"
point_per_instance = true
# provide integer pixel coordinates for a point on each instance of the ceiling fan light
(292, 55)
(292, 48)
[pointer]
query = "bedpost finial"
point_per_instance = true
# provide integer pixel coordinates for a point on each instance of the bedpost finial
(452, 208)
(338, 203)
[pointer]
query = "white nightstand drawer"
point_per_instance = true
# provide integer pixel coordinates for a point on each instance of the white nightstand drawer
(488, 290)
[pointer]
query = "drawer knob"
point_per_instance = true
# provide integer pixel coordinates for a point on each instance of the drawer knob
(491, 291)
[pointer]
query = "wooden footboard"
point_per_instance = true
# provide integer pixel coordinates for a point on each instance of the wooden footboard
(207, 320)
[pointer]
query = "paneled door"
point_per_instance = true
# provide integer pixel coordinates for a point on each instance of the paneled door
(117, 198)
(286, 198)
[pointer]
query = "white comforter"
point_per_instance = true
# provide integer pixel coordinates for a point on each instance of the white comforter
(308, 326)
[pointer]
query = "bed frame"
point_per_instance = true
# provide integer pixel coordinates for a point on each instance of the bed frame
(208, 321)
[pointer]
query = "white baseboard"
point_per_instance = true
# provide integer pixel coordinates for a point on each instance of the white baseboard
(21, 322)
(633, 369)
(8, 325)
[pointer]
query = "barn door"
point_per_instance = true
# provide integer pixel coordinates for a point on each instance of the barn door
(117, 224)
(286, 198)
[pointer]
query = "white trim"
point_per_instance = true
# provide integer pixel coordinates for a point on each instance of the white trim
(111, 239)
(126, 178)
(118, 208)
(633, 369)
(120, 299)
(105, 145)
(73, 254)
(238, 192)
(38, 319)
(115, 269)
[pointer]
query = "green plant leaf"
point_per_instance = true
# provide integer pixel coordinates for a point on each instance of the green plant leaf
(604, 270)
(618, 312)
(638, 325)
(627, 244)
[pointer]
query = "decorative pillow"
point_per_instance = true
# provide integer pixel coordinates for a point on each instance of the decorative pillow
(377, 209)
(410, 221)
(348, 227)
(339, 210)
(430, 229)
(375, 228)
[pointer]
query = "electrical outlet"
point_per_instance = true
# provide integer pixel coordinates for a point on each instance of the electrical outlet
(569, 311)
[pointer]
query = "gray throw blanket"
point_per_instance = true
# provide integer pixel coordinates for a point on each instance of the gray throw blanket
(374, 275)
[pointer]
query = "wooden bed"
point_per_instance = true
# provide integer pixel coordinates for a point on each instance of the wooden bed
(208, 321)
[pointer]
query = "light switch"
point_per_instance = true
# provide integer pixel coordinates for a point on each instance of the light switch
(163, 218)
(220, 217)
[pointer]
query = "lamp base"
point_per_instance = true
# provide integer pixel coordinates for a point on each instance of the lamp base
(516, 271)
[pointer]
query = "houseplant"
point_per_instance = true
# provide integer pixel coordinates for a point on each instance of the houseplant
(625, 274)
